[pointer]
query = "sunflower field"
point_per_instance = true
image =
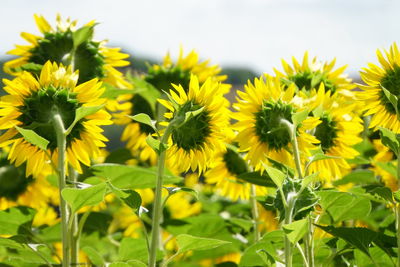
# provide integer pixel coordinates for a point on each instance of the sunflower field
(299, 168)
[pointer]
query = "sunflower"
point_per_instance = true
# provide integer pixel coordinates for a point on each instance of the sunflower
(261, 134)
(92, 58)
(161, 77)
(338, 132)
(308, 76)
(384, 156)
(376, 78)
(30, 104)
(193, 144)
(224, 172)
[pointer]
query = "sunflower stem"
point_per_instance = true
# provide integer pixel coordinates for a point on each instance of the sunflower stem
(254, 212)
(296, 153)
(397, 213)
(74, 230)
(157, 207)
(58, 125)
(288, 220)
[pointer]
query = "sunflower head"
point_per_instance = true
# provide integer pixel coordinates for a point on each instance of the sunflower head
(382, 81)
(31, 105)
(66, 44)
(309, 75)
(261, 108)
(199, 117)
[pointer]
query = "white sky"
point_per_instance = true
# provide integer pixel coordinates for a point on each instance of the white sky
(251, 33)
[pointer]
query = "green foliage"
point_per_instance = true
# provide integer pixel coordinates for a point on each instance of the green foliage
(188, 242)
(78, 198)
(33, 138)
(18, 220)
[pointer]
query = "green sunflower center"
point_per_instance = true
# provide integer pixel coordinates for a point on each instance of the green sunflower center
(308, 80)
(326, 132)
(234, 163)
(57, 46)
(12, 179)
(38, 110)
(163, 77)
(140, 105)
(193, 133)
(391, 82)
(269, 128)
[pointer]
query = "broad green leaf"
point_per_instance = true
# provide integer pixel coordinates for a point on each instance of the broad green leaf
(296, 230)
(82, 112)
(318, 154)
(145, 119)
(343, 206)
(10, 243)
(276, 175)
(392, 99)
(78, 198)
(189, 242)
(389, 167)
(94, 256)
(309, 179)
(396, 195)
(132, 177)
(357, 177)
(299, 117)
(257, 178)
(119, 264)
(245, 224)
(128, 196)
(17, 220)
(381, 191)
(134, 249)
(136, 263)
(33, 138)
(390, 139)
(155, 144)
(112, 92)
(82, 35)
(119, 156)
(97, 222)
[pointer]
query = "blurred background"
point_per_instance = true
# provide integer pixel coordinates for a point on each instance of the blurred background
(246, 37)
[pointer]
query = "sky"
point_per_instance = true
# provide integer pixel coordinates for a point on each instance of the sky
(247, 33)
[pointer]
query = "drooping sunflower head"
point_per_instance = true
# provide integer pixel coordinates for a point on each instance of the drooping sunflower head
(338, 132)
(91, 58)
(194, 142)
(378, 78)
(260, 111)
(309, 75)
(179, 72)
(31, 104)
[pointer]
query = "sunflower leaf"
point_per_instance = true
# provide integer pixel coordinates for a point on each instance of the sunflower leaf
(33, 138)
(17, 220)
(82, 35)
(189, 242)
(392, 99)
(155, 144)
(145, 119)
(78, 198)
(299, 117)
(296, 230)
(390, 139)
(128, 196)
(276, 175)
(82, 112)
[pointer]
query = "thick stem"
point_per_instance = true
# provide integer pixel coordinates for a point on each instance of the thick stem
(397, 212)
(288, 219)
(254, 212)
(309, 244)
(296, 153)
(157, 208)
(74, 230)
(64, 210)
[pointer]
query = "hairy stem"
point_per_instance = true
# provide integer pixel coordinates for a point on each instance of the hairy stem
(254, 212)
(397, 212)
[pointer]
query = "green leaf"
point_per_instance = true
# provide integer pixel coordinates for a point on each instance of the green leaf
(30, 67)
(132, 177)
(112, 92)
(392, 99)
(299, 117)
(389, 167)
(33, 138)
(78, 198)
(120, 155)
(155, 144)
(382, 191)
(82, 112)
(357, 177)
(119, 264)
(390, 139)
(128, 196)
(276, 175)
(145, 119)
(94, 256)
(82, 35)
(396, 195)
(191, 114)
(343, 206)
(136, 263)
(318, 154)
(145, 90)
(17, 220)
(174, 190)
(296, 230)
(189, 242)
(309, 179)
(134, 249)
(257, 178)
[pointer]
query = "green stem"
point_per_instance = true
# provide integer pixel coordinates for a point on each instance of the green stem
(74, 230)
(397, 212)
(296, 152)
(157, 208)
(64, 210)
(309, 244)
(254, 212)
(288, 220)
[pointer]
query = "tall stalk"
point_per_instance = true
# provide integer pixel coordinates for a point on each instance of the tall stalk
(254, 212)
(73, 229)
(64, 209)
(157, 208)
(397, 212)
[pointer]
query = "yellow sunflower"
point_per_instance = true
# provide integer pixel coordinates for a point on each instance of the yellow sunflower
(261, 134)
(30, 104)
(224, 172)
(387, 76)
(338, 132)
(308, 75)
(193, 144)
(384, 155)
(92, 58)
